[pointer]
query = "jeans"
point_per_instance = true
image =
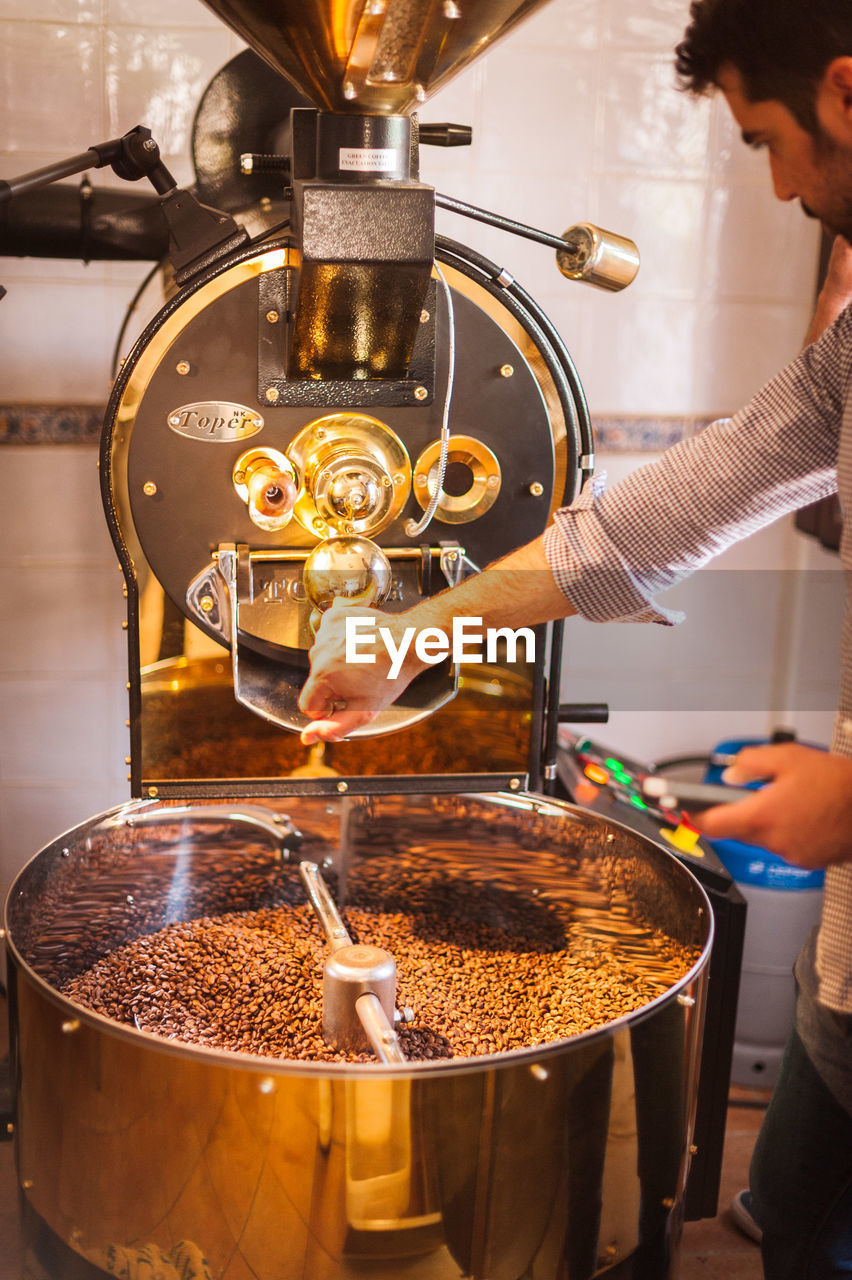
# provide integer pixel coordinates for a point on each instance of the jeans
(801, 1176)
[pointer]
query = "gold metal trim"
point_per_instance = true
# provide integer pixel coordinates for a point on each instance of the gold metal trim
(485, 486)
(148, 363)
(353, 437)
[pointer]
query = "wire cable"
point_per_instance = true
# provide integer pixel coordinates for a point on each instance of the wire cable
(131, 307)
(415, 527)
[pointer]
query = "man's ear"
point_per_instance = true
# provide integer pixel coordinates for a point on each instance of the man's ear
(834, 100)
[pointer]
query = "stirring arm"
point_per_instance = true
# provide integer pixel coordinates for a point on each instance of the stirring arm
(323, 904)
(359, 982)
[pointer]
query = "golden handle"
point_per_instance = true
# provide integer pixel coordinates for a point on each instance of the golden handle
(598, 257)
(266, 481)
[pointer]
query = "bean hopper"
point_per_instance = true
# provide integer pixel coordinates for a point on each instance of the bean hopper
(343, 403)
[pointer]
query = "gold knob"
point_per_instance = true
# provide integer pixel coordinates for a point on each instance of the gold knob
(598, 257)
(352, 569)
(265, 479)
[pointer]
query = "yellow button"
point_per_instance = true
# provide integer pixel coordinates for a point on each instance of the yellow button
(684, 838)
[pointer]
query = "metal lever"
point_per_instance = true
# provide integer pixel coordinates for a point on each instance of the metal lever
(583, 713)
(257, 162)
(445, 135)
(198, 235)
(583, 252)
(284, 835)
(323, 904)
(358, 982)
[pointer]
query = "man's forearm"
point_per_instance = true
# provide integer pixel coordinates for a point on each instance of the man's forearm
(518, 590)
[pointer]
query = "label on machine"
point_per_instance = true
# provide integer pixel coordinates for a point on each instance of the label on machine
(368, 159)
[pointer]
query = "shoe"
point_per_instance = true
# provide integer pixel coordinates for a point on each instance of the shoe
(742, 1216)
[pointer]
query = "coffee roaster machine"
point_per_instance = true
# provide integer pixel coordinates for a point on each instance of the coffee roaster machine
(335, 401)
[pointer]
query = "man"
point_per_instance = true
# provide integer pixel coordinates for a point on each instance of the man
(785, 69)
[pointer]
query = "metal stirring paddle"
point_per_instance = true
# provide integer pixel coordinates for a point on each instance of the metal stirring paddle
(358, 981)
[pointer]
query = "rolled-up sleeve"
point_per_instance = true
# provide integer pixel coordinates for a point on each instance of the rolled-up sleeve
(589, 569)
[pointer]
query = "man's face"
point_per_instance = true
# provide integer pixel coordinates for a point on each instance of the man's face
(815, 169)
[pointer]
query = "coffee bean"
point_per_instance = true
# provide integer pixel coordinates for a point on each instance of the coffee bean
(486, 971)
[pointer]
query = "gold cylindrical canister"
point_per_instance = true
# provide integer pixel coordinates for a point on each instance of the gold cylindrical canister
(598, 257)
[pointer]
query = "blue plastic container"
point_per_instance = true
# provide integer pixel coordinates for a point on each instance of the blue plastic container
(784, 904)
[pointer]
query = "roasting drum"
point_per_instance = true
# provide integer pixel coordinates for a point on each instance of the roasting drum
(558, 1162)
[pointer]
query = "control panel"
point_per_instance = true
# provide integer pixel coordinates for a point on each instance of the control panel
(611, 784)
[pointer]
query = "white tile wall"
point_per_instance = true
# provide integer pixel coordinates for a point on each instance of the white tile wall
(62, 651)
(156, 77)
(575, 117)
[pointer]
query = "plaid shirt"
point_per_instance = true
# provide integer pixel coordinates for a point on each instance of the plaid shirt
(611, 552)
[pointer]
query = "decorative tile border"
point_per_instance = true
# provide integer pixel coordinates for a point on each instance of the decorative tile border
(648, 434)
(81, 424)
(50, 424)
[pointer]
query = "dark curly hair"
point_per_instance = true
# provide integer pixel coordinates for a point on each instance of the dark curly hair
(781, 48)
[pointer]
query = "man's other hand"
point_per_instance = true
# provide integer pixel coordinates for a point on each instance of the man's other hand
(804, 813)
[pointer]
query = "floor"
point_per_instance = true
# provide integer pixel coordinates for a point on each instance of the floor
(712, 1248)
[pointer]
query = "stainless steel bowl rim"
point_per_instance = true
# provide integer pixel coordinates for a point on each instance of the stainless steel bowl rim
(266, 1066)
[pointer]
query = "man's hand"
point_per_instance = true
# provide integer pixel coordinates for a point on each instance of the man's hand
(804, 813)
(836, 292)
(343, 696)
(517, 591)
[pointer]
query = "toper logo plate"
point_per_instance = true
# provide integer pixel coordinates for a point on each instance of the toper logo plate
(215, 420)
